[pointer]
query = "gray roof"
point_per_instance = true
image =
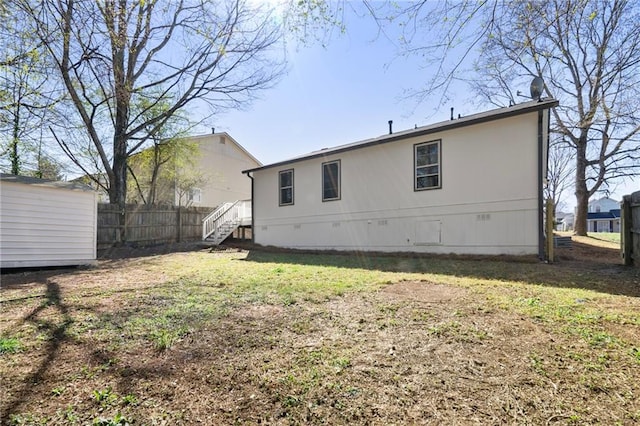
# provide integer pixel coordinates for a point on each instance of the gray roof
(482, 117)
(27, 180)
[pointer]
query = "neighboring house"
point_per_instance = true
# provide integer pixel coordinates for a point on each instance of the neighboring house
(103, 196)
(220, 161)
(471, 185)
(603, 204)
(603, 215)
(46, 223)
(564, 221)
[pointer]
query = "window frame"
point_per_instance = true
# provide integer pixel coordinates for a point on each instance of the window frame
(195, 195)
(280, 188)
(438, 143)
(338, 180)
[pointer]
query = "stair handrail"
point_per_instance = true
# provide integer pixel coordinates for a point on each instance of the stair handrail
(219, 216)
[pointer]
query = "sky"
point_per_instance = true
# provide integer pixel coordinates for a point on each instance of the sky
(343, 92)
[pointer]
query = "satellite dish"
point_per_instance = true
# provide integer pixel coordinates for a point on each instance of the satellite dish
(537, 85)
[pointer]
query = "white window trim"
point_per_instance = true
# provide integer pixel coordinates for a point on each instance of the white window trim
(339, 178)
(438, 143)
(196, 195)
(280, 188)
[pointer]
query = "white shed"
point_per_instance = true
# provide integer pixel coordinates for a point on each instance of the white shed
(470, 186)
(46, 223)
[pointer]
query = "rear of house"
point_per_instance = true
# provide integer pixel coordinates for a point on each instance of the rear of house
(46, 223)
(472, 185)
(217, 164)
(222, 162)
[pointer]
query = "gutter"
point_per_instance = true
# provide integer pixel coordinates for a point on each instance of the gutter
(253, 227)
(541, 177)
(541, 227)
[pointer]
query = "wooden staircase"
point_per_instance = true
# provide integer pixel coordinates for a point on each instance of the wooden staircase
(221, 223)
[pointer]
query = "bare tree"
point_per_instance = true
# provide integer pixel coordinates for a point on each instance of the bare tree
(560, 171)
(588, 52)
(113, 54)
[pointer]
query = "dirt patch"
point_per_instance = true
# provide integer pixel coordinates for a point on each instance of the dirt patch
(424, 292)
(583, 251)
(413, 352)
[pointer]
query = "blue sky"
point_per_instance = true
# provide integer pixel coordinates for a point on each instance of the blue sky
(342, 93)
(330, 96)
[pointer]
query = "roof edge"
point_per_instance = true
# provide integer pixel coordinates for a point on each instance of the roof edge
(478, 118)
(227, 135)
(28, 180)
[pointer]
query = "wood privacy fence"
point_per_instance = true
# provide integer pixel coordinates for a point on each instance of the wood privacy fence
(144, 225)
(630, 229)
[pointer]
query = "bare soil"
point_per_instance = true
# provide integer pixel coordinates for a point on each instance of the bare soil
(415, 352)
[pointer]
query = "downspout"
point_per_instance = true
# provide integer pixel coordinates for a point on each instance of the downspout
(253, 227)
(541, 250)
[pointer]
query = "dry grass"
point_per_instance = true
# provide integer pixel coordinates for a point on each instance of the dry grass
(253, 337)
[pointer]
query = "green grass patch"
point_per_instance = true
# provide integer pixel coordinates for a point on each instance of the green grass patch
(9, 345)
(613, 237)
(291, 334)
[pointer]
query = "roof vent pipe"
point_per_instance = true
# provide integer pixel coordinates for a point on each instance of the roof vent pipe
(452, 113)
(213, 130)
(390, 126)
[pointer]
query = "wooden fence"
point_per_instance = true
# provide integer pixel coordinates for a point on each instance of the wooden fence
(144, 225)
(630, 229)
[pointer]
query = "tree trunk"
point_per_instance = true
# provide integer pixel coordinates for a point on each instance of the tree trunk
(118, 184)
(582, 193)
(15, 157)
(122, 99)
(154, 174)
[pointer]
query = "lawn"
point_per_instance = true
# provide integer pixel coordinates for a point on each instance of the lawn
(613, 237)
(260, 337)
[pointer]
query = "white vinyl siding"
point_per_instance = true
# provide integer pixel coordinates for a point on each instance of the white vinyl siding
(380, 210)
(46, 226)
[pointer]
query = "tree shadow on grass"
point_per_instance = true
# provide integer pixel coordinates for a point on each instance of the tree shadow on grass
(57, 335)
(578, 267)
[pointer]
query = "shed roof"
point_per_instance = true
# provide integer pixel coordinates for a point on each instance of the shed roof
(482, 117)
(27, 180)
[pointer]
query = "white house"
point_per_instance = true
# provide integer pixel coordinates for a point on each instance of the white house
(222, 160)
(603, 204)
(46, 223)
(565, 221)
(603, 215)
(471, 185)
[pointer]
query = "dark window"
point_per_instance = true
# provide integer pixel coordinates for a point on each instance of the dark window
(331, 181)
(427, 168)
(286, 187)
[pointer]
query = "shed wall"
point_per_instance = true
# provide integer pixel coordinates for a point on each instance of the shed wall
(487, 203)
(45, 226)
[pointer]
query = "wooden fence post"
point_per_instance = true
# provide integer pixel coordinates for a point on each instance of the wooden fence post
(626, 237)
(549, 229)
(178, 224)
